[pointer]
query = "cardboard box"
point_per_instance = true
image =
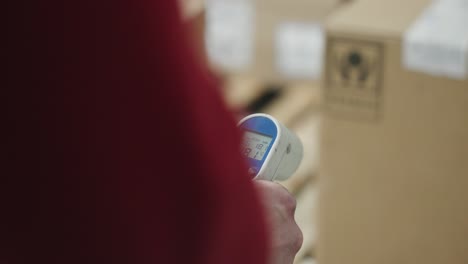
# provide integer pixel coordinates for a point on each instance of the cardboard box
(394, 146)
(268, 40)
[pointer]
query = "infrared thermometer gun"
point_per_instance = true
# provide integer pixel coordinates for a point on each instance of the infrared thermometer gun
(272, 151)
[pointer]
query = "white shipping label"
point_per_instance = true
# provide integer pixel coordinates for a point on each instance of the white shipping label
(299, 49)
(230, 33)
(437, 42)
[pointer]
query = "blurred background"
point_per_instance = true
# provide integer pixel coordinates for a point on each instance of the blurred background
(378, 93)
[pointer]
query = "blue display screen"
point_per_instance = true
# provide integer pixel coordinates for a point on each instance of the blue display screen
(259, 134)
(255, 145)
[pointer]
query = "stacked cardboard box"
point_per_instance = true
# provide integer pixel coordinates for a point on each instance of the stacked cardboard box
(394, 161)
(270, 40)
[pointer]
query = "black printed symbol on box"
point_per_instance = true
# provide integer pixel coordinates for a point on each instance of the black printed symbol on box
(353, 78)
(354, 67)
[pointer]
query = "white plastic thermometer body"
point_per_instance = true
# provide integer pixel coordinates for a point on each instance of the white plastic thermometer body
(272, 151)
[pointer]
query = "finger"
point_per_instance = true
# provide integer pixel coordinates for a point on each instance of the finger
(277, 191)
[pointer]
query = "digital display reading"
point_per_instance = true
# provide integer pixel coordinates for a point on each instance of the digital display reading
(255, 145)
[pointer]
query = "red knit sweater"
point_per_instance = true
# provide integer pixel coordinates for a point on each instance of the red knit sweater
(118, 148)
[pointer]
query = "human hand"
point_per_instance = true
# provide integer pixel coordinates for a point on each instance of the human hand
(280, 206)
